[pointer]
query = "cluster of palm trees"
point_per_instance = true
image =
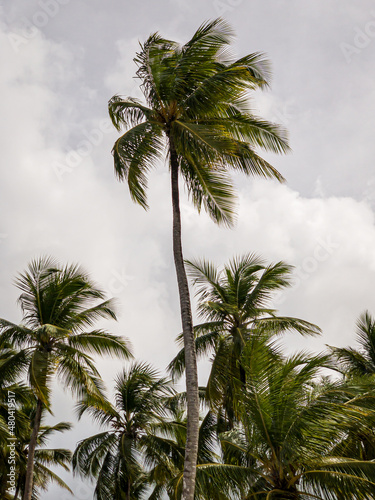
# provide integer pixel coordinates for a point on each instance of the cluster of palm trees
(266, 426)
(271, 425)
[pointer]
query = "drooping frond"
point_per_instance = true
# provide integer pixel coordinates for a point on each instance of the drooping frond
(128, 112)
(135, 153)
(210, 188)
(101, 342)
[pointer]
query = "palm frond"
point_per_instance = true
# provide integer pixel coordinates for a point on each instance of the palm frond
(101, 342)
(127, 112)
(135, 153)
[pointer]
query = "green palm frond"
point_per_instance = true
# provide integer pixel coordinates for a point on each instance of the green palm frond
(12, 365)
(80, 380)
(40, 375)
(56, 456)
(135, 153)
(128, 112)
(101, 342)
(18, 336)
(46, 476)
(354, 362)
(211, 188)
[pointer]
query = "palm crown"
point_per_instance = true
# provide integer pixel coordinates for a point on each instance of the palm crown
(58, 304)
(196, 99)
(113, 456)
(235, 302)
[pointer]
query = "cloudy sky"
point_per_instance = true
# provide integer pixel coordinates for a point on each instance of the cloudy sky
(61, 60)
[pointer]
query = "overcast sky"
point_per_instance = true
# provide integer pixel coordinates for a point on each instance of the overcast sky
(61, 60)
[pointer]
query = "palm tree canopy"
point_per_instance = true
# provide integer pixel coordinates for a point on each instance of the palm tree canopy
(196, 104)
(235, 304)
(288, 443)
(58, 304)
(113, 457)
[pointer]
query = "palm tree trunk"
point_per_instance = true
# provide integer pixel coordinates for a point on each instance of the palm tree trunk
(191, 450)
(31, 453)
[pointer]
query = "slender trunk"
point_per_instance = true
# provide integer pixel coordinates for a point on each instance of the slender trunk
(31, 452)
(191, 450)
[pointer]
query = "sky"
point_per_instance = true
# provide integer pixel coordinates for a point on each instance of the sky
(62, 60)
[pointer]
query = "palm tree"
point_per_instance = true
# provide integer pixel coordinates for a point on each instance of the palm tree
(197, 113)
(114, 457)
(287, 445)
(234, 303)
(58, 304)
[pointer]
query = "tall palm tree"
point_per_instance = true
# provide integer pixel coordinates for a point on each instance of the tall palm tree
(197, 113)
(114, 457)
(58, 304)
(234, 303)
(287, 445)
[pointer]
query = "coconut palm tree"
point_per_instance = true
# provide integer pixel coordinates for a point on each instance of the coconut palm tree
(58, 305)
(287, 445)
(196, 112)
(234, 303)
(114, 457)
